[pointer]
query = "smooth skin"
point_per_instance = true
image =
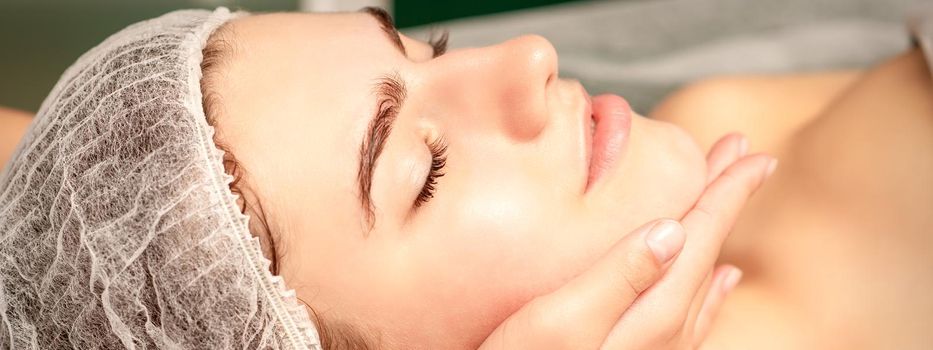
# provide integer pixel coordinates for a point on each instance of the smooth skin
(599, 302)
(510, 220)
(838, 241)
(834, 248)
(610, 306)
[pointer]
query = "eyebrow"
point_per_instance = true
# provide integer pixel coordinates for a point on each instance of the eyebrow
(387, 25)
(391, 92)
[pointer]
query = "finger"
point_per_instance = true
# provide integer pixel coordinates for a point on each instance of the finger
(708, 224)
(596, 298)
(723, 153)
(660, 313)
(725, 280)
(697, 302)
(711, 219)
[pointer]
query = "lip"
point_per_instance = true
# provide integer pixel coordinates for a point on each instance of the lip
(612, 116)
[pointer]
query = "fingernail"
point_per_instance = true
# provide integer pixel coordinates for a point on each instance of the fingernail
(665, 240)
(743, 146)
(772, 166)
(732, 279)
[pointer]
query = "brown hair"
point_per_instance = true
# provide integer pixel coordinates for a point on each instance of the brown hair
(334, 333)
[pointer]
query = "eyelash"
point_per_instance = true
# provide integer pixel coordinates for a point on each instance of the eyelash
(438, 149)
(439, 43)
(391, 90)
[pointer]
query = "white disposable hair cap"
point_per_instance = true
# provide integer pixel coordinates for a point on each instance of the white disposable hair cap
(117, 225)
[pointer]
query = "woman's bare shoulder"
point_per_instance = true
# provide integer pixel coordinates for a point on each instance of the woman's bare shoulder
(767, 108)
(13, 124)
(855, 173)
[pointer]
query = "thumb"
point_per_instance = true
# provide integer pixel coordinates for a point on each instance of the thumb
(593, 301)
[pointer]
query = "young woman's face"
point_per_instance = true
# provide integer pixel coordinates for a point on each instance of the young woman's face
(511, 218)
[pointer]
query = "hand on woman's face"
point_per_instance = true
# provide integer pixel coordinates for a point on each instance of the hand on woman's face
(512, 216)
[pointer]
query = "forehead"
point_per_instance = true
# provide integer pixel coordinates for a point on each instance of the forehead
(315, 40)
(321, 66)
(298, 94)
(313, 69)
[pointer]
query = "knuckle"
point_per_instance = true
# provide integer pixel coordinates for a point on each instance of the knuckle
(542, 333)
(704, 212)
(638, 273)
(627, 287)
(746, 177)
(730, 176)
(549, 327)
(668, 334)
(542, 321)
(667, 331)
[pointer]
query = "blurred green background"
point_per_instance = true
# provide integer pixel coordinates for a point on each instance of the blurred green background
(39, 39)
(417, 12)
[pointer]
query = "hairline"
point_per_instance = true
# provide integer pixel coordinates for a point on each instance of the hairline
(219, 49)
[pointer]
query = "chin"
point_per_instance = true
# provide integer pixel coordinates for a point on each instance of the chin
(662, 175)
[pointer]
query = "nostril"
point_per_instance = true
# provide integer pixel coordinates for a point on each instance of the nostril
(551, 78)
(592, 125)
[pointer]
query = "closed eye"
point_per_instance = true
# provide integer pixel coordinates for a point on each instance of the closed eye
(438, 150)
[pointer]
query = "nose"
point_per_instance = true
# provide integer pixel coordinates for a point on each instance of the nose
(505, 86)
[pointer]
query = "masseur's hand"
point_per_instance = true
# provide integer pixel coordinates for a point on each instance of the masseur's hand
(656, 287)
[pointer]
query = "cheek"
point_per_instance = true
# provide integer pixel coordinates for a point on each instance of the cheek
(486, 238)
(493, 249)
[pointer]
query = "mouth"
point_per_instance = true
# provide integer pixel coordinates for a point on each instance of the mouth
(610, 119)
